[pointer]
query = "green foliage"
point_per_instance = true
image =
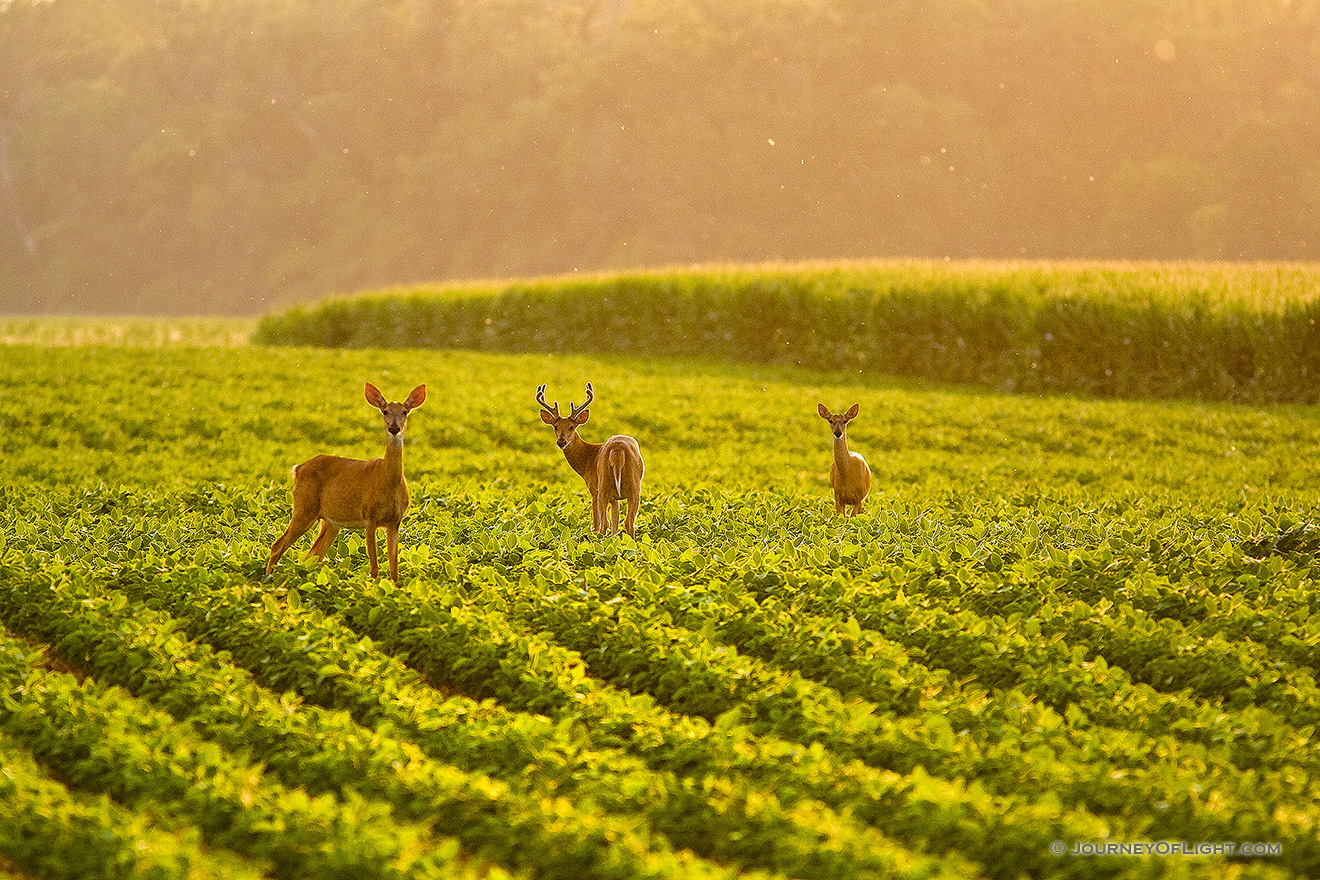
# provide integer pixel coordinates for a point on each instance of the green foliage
(53, 832)
(186, 156)
(135, 332)
(1058, 620)
(1245, 333)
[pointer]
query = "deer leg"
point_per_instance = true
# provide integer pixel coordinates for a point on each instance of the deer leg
(392, 547)
(324, 538)
(613, 512)
(634, 500)
(298, 526)
(371, 549)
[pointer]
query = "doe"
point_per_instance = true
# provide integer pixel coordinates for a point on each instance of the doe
(348, 493)
(849, 474)
(612, 470)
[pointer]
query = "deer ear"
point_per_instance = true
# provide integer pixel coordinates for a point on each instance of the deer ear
(374, 397)
(824, 413)
(852, 413)
(417, 398)
(547, 418)
(581, 418)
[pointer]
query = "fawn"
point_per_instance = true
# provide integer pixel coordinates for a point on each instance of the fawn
(849, 474)
(348, 493)
(612, 470)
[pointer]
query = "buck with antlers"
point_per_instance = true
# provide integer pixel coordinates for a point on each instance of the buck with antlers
(849, 474)
(347, 493)
(612, 470)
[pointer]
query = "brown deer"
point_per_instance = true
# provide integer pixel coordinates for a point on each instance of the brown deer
(849, 474)
(612, 470)
(348, 493)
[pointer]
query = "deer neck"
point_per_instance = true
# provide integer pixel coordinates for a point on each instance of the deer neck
(582, 457)
(841, 449)
(393, 461)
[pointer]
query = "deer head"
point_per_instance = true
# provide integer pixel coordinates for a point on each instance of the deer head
(838, 423)
(396, 414)
(565, 426)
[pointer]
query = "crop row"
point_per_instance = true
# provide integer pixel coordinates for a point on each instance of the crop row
(919, 815)
(1108, 330)
(289, 648)
(101, 740)
(953, 734)
(1201, 576)
(1004, 652)
(598, 623)
(926, 737)
(925, 612)
(985, 624)
(973, 604)
(853, 624)
(325, 751)
(707, 430)
(474, 647)
(1041, 757)
(1228, 628)
(915, 658)
(56, 833)
(696, 697)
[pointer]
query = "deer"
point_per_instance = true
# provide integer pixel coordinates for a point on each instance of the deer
(348, 493)
(850, 475)
(612, 470)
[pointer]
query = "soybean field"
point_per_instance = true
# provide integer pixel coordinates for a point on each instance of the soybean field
(1068, 637)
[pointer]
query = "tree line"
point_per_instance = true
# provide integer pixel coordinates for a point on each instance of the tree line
(197, 156)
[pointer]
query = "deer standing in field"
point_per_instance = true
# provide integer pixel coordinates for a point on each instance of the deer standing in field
(612, 470)
(849, 474)
(348, 493)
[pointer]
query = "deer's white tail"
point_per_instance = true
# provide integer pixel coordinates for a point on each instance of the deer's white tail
(616, 468)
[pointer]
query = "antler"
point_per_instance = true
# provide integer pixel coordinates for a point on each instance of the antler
(540, 398)
(574, 410)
